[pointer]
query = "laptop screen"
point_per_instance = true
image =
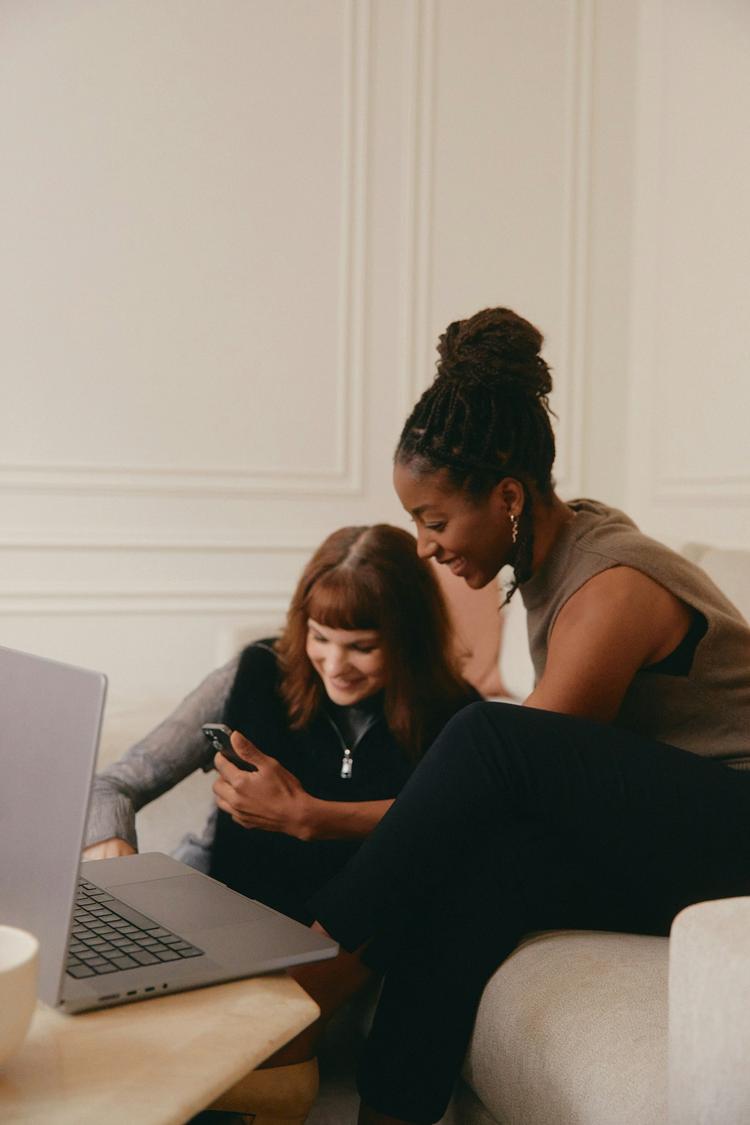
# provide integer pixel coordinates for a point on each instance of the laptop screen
(50, 720)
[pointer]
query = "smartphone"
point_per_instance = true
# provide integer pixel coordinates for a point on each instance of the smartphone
(218, 734)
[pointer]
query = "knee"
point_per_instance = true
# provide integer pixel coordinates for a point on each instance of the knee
(493, 741)
(481, 732)
(480, 720)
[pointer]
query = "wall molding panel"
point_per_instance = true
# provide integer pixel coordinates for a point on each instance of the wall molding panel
(294, 480)
(702, 490)
(89, 541)
(688, 393)
(145, 481)
(419, 112)
(148, 602)
(575, 279)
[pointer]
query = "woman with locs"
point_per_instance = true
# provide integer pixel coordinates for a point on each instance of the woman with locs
(333, 714)
(614, 797)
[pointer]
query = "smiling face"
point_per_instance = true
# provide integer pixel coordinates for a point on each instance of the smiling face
(350, 662)
(471, 536)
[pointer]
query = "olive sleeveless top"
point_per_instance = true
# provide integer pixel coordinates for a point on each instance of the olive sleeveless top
(706, 709)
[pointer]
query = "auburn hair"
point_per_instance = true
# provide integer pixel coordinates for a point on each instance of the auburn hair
(372, 578)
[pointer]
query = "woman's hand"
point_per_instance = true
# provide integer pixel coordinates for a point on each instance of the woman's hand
(270, 798)
(108, 849)
(273, 799)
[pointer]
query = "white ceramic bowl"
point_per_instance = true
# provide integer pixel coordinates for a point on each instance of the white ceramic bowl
(19, 958)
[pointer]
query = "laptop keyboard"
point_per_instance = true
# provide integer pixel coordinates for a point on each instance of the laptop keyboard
(108, 935)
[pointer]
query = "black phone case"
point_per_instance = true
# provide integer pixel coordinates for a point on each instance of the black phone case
(219, 741)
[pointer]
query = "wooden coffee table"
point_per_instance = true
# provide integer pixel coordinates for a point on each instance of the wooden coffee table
(156, 1062)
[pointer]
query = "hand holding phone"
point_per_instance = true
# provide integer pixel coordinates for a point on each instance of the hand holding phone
(219, 735)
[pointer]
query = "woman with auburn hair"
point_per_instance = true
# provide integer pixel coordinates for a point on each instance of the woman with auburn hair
(333, 715)
(347, 700)
(383, 585)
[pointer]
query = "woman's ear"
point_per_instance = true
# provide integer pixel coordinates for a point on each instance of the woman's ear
(510, 496)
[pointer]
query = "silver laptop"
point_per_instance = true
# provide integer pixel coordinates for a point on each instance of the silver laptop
(111, 931)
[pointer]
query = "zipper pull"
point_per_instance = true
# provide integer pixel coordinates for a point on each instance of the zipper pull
(346, 763)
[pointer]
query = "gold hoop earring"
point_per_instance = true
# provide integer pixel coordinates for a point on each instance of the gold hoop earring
(513, 527)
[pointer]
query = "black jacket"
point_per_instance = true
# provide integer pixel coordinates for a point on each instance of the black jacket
(279, 870)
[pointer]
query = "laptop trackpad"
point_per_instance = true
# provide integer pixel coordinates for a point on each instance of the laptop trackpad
(185, 902)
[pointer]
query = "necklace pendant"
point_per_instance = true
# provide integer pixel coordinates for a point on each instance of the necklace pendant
(346, 764)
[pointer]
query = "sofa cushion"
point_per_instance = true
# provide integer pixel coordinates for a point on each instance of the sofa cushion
(572, 1029)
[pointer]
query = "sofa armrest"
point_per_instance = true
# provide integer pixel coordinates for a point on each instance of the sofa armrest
(709, 1013)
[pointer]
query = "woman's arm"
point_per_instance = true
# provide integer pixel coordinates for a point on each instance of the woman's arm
(618, 622)
(272, 798)
(169, 753)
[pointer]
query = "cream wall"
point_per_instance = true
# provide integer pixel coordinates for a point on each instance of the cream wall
(689, 378)
(231, 232)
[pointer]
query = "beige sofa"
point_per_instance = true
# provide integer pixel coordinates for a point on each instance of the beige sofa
(575, 1028)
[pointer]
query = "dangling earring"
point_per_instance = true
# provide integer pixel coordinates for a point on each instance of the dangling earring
(513, 527)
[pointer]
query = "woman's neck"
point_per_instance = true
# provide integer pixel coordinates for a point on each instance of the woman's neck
(550, 517)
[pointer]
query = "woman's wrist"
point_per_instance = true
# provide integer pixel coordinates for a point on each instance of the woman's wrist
(338, 820)
(308, 816)
(110, 848)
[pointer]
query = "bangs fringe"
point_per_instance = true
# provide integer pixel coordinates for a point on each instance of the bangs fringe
(341, 600)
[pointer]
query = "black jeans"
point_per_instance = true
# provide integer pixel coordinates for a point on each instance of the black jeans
(520, 820)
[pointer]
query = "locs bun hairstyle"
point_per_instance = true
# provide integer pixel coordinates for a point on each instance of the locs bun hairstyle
(486, 415)
(372, 578)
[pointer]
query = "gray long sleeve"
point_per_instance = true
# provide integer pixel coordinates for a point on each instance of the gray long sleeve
(174, 749)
